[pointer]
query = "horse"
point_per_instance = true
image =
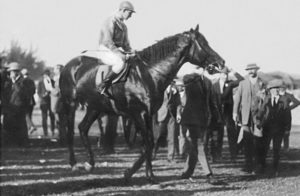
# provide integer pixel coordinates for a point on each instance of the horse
(139, 97)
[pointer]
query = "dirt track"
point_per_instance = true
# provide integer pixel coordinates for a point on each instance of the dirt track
(43, 170)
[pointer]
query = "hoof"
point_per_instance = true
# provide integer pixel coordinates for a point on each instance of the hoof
(88, 167)
(127, 175)
(75, 168)
(152, 180)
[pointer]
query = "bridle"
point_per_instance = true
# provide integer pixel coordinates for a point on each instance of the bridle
(195, 41)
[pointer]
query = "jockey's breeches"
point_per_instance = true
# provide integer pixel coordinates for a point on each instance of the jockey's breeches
(109, 57)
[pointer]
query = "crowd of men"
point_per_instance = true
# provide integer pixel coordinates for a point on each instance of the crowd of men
(17, 103)
(196, 113)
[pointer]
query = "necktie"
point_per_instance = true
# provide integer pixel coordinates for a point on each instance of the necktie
(274, 101)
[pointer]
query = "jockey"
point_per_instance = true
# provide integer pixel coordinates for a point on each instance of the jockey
(114, 44)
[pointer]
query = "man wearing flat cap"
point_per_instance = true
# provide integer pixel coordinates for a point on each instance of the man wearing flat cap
(17, 102)
(273, 119)
(222, 92)
(244, 113)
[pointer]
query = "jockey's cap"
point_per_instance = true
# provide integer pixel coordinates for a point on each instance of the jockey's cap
(126, 5)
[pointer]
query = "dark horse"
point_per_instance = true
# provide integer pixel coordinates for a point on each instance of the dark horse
(151, 71)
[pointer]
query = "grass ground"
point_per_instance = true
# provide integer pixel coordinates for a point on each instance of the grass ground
(43, 169)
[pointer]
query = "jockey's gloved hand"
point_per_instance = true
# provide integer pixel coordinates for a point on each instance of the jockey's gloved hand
(130, 54)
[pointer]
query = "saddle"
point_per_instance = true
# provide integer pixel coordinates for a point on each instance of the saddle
(103, 70)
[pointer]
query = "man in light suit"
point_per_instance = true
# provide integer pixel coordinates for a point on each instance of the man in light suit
(244, 113)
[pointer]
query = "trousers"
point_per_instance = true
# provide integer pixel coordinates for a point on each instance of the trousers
(107, 56)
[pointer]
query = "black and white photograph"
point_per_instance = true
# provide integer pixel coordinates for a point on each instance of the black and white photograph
(149, 97)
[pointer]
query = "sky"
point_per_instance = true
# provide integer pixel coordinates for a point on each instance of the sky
(266, 32)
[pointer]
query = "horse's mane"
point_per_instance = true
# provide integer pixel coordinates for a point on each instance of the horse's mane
(160, 50)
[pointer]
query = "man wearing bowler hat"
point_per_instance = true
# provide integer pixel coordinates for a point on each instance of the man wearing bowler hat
(244, 113)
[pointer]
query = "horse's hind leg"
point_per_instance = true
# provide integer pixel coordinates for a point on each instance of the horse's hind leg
(70, 136)
(84, 126)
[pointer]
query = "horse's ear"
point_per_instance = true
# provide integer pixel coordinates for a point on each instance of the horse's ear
(197, 28)
(191, 30)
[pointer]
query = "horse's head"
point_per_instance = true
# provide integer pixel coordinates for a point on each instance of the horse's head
(200, 53)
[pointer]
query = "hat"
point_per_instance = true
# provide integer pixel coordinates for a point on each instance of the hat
(126, 5)
(252, 66)
(276, 83)
(14, 66)
(225, 70)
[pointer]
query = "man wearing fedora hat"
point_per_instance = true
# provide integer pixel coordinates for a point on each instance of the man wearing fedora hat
(273, 119)
(222, 91)
(244, 114)
(17, 102)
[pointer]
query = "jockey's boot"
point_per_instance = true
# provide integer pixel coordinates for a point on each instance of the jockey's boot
(104, 86)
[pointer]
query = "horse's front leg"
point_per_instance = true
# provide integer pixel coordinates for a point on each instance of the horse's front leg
(143, 123)
(84, 126)
(149, 145)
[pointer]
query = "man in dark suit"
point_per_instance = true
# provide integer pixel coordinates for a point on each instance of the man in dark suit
(222, 92)
(273, 118)
(31, 91)
(14, 122)
(166, 117)
(45, 86)
(292, 103)
(196, 117)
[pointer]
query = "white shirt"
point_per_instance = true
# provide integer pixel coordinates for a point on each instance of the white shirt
(276, 99)
(253, 80)
(48, 84)
(222, 83)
